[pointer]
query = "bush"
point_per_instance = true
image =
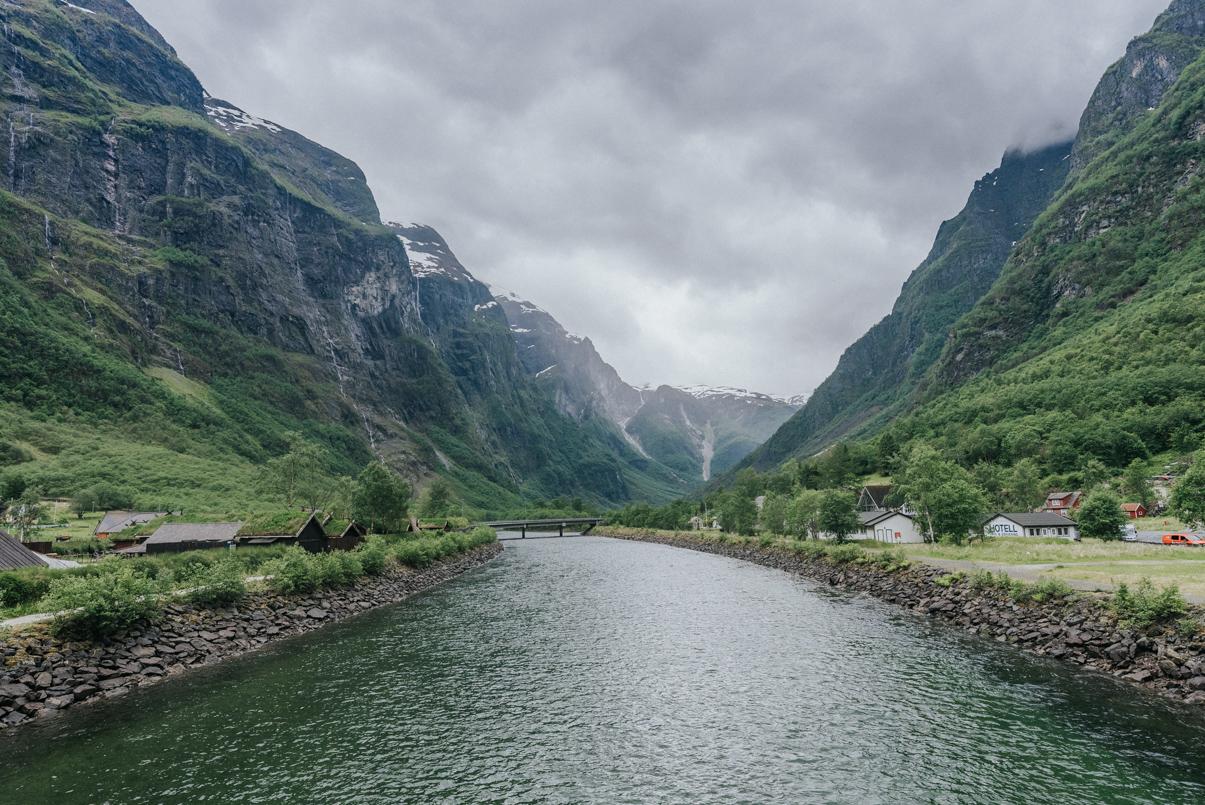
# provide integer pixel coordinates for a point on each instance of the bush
(373, 557)
(337, 568)
(1144, 605)
(82, 546)
(98, 605)
(219, 584)
(844, 554)
(948, 579)
(292, 572)
(24, 585)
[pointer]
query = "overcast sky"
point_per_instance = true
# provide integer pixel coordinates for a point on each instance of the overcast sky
(726, 193)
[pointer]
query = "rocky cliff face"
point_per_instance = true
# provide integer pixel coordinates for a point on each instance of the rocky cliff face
(202, 265)
(693, 432)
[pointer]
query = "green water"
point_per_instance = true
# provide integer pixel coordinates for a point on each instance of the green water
(594, 670)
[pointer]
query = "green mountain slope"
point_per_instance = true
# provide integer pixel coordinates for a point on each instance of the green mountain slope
(182, 284)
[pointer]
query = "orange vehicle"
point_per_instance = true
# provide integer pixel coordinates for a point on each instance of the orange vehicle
(1183, 539)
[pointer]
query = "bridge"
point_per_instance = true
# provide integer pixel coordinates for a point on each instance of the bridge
(583, 525)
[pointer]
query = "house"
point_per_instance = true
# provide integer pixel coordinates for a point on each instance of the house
(1134, 510)
(701, 523)
(118, 521)
(14, 555)
(1030, 524)
(873, 497)
(344, 535)
(1063, 502)
(178, 537)
(889, 525)
(302, 528)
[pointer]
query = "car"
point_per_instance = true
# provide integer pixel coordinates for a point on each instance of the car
(1183, 539)
(1129, 533)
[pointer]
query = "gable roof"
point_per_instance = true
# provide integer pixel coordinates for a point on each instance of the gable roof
(1132, 507)
(13, 554)
(877, 493)
(1055, 498)
(282, 524)
(116, 521)
(1034, 519)
(879, 515)
(194, 532)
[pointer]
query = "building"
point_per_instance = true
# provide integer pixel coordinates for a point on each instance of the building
(178, 537)
(873, 497)
(301, 528)
(1134, 510)
(14, 555)
(1063, 502)
(117, 521)
(1030, 524)
(701, 523)
(345, 535)
(889, 525)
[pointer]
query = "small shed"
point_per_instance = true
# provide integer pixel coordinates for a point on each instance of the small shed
(302, 528)
(14, 555)
(179, 537)
(1030, 524)
(115, 522)
(345, 535)
(1134, 510)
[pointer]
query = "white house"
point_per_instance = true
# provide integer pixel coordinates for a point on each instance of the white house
(1030, 524)
(889, 525)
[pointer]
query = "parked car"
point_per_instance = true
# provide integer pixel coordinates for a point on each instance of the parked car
(1183, 539)
(1129, 533)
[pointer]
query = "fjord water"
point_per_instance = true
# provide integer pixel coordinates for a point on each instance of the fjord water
(595, 670)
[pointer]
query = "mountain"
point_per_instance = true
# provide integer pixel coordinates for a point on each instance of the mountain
(695, 432)
(1084, 338)
(183, 285)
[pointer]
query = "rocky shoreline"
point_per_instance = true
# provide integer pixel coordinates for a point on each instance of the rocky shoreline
(41, 675)
(1080, 630)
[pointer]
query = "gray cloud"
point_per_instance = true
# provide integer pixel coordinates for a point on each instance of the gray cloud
(715, 192)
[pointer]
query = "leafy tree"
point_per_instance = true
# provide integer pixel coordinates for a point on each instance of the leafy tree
(297, 476)
(738, 513)
(1094, 474)
(1023, 488)
(803, 514)
(26, 511)
(990, 478)
(838, 467)
(1188, 495)
(1021, 442)
(82, 503)
(838, 514)
(774, 513)
(381, 498)
(956, 509)
(437, 499)
(1101, 515)
(12, 488)
(1134, 483)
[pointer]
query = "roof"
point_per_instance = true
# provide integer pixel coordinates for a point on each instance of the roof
(13, 554)
(878, 515)
(878, 493)
(116, 521)
(194, 532)
(280, 524)
(1034, 519)
(1054, 496)
(1132, 507)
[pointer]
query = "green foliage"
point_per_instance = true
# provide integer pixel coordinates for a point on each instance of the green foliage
(1101, 516)
(803, 514)
(838, 515)
(1145, 606)
(944, 495)
(381, 498)
(374, 556)
(773, 517)
(437, 499)
(24, 585)
(100, 605)
(1135, 484)
(295, 571)
(674, 516)
(220, 584)
(737, 512)
(1188, 495)
(948, 579)
(845, 554)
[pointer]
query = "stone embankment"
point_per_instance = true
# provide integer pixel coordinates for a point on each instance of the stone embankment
(1080, 629)
(41, 674)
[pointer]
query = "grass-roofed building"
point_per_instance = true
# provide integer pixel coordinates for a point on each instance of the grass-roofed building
(278, 528)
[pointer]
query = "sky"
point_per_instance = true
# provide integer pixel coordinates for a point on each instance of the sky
(717, 192)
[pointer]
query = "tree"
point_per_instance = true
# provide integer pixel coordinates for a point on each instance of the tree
(1101, 515)
(83, 502)
(437, 499)
(1023, 489)
(956, 509)
(738, 513)
(1134, 483)
(381, 498)
(837, 466)
(1188, 495)
(774, 513)
(296, 476)
(803, 514)
(26, 511)
(1094, 474)
(839, 514)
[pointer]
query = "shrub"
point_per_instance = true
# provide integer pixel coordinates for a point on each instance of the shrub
(24, 585)
(1145, 606)
(1039, 591)
(99, 605)
(292, 572)
(219, 584)
(373, 557)
(337, 568)
(844, 554)
(948, 579)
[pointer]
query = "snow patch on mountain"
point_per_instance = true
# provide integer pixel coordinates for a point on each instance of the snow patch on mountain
(230, 118)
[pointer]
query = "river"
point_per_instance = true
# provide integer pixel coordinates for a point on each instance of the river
(595, 670)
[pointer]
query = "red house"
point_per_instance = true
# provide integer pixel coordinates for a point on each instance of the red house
(1063, 502)
(1134, 510)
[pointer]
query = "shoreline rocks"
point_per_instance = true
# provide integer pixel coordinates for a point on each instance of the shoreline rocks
(41, 675)
(1080, 630)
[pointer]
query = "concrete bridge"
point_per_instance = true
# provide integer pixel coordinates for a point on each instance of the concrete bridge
(581, 525)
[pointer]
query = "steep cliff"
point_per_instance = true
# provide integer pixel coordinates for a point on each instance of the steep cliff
(184, 283)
